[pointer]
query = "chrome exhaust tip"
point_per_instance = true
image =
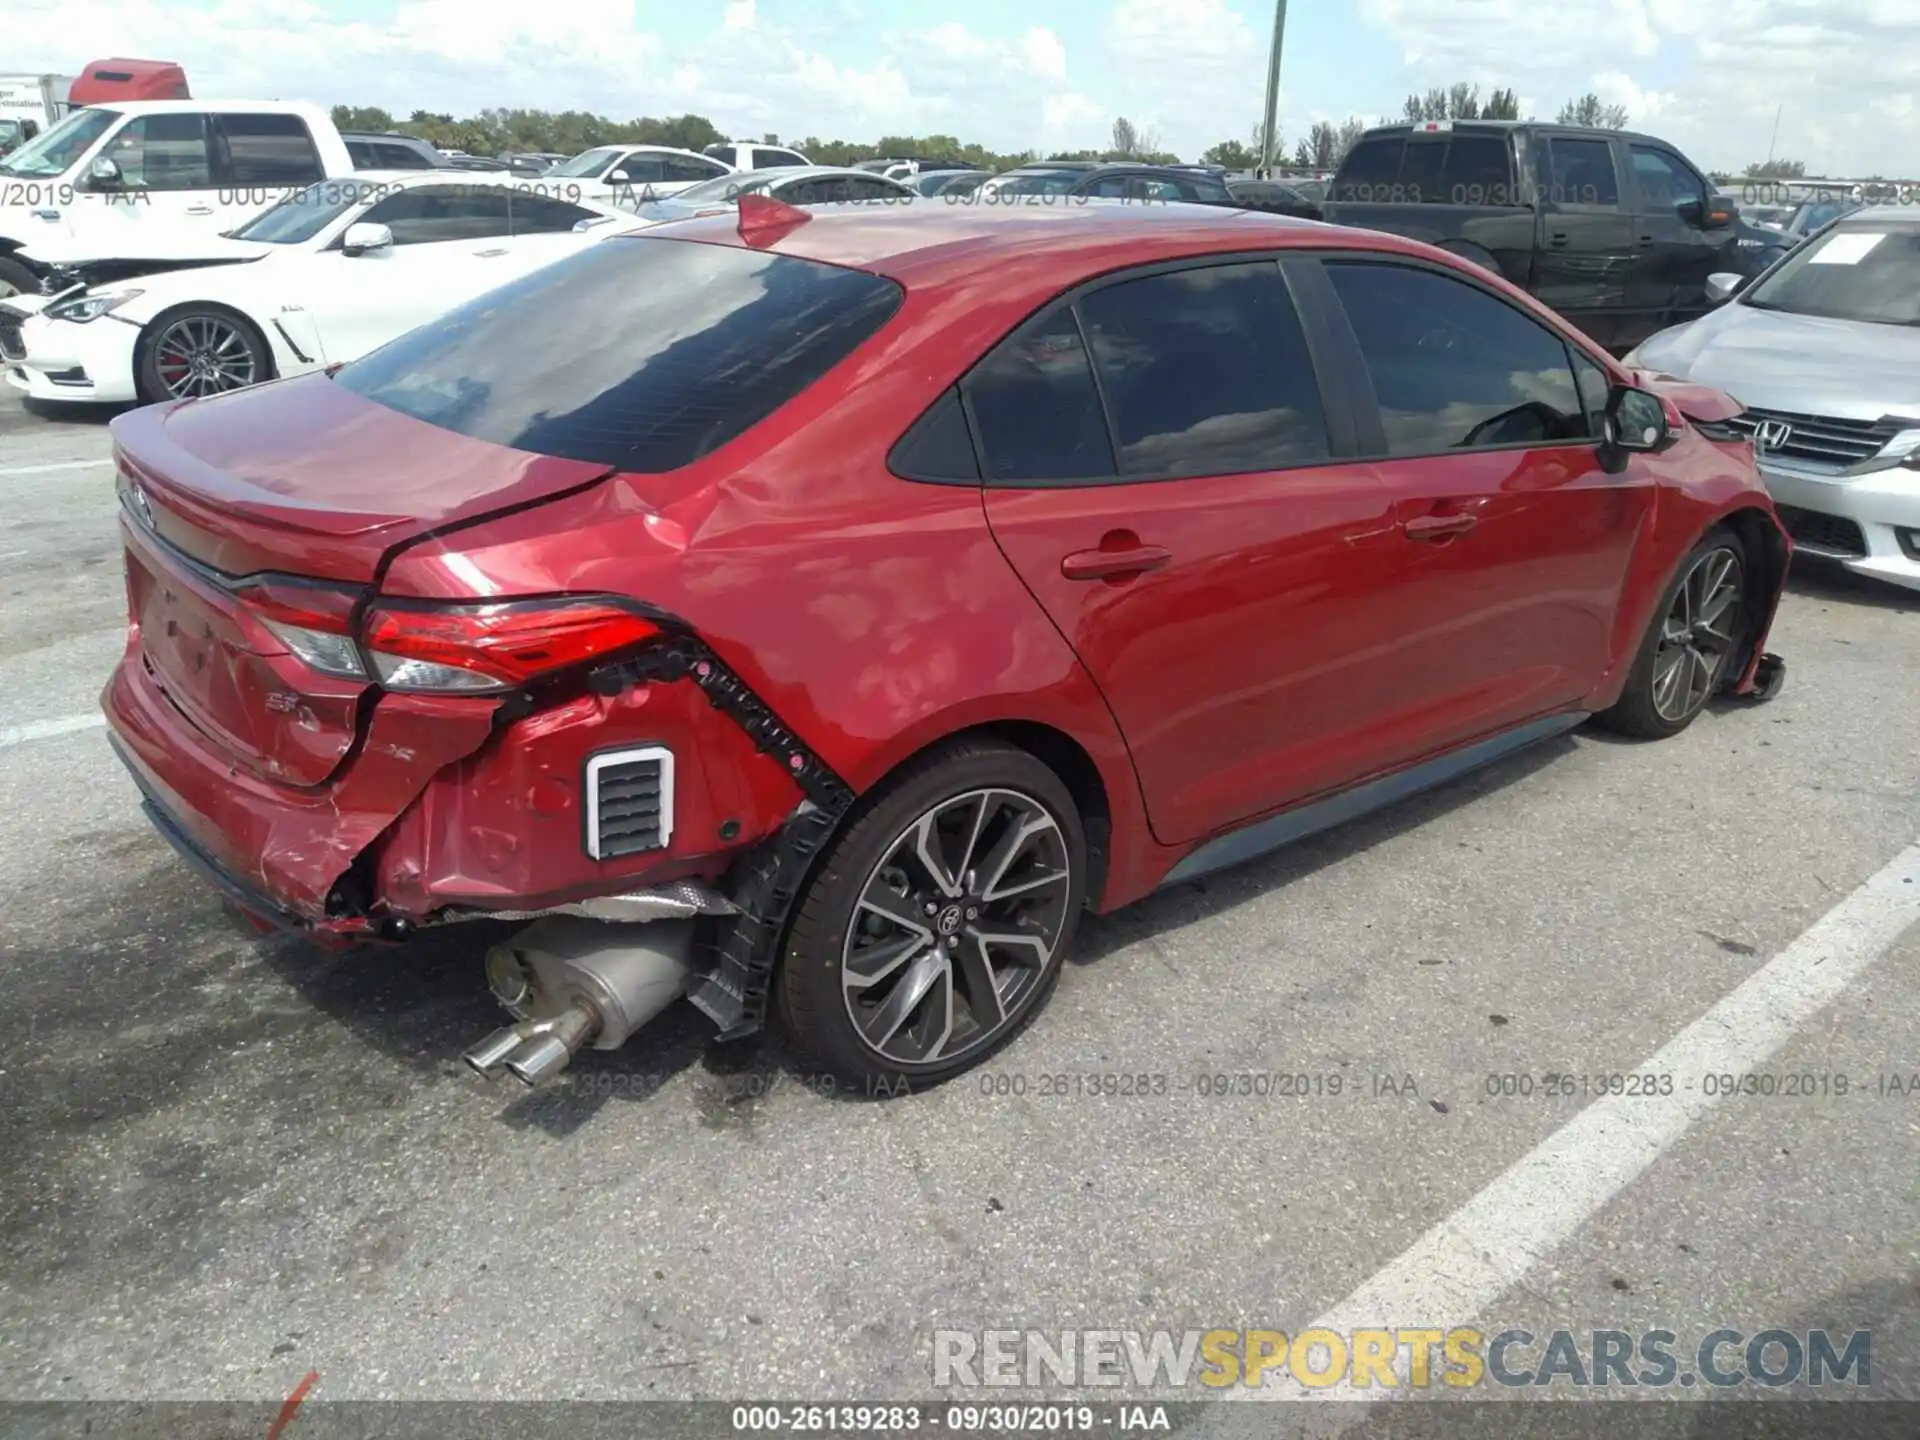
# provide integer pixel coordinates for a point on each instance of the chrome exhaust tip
(572, 982)
(491, 1053)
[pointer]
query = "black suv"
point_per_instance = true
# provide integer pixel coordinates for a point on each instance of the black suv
(1112, 181)
(1616, 231)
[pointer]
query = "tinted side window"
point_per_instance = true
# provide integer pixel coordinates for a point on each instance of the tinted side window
(639, 169)
(938, 447)
(1454, 368)
(270, 150)
(163, 152)
(768, 159)
(872, 189)
(402, 157)
(1206, 372)
(1664, 182)
(1583, 173)
(1371, 165)
(677, 168)
(1035, 407)
(361, 154)
(431, 214)
(544, 215)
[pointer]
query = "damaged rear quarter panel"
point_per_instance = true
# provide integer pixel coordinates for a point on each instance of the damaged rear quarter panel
(505, 827)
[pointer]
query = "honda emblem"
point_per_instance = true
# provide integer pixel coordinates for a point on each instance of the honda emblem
(1770, 435)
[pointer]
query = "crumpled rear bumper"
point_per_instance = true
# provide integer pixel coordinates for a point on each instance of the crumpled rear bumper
(279, 850)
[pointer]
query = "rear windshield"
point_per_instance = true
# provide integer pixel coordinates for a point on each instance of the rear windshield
(1461, 168)
(639, 353)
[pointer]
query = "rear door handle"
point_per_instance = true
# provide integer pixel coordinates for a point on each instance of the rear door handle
(491, 254)
(1438, 527)
(1557, 241)
(199, 210)
(1646, 240)
(1113, 564)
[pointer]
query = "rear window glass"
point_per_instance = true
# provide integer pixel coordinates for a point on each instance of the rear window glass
(639, 353)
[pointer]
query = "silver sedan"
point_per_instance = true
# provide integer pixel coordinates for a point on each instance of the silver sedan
(1823, 351)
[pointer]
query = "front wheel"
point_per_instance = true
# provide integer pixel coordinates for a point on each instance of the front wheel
(1683, 659)
(192, 353)
(934, 927)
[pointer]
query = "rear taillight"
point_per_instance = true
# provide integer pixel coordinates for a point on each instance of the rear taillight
(312, 621)
(445, 649)
(494, 647)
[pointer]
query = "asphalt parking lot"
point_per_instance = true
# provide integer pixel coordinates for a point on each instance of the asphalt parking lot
(227, 1161)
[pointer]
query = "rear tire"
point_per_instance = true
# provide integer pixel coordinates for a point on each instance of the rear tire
(933, 929)
(1684, 656)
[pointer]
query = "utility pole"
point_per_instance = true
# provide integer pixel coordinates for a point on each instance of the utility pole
(1776, 130)
(1268, 144)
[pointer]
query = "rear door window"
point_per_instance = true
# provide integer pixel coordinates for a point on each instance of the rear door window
(1205, 372)
(269, 150)
(1036, 409)
(602, 362)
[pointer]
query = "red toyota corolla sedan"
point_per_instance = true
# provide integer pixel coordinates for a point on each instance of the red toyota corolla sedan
(855, 597)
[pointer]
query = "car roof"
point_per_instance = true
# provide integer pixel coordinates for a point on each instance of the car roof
(1868, 214)
(928, 243)
(197, 107)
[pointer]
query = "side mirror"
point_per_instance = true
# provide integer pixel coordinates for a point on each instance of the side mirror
(1715, 214)
(363, 238)
(619, 177)
(104, 172)
(1722, 286)
(1635, 423)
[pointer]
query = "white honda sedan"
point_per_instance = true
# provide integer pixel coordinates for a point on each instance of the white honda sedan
(328, 274)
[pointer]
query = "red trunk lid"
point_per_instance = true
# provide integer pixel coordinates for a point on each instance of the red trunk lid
(299, 478)
(306, 478)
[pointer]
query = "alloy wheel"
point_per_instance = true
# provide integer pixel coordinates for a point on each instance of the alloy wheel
(203, 355)
(1697, 635)
(955, 928)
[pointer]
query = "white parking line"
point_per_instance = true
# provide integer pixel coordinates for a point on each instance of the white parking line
(1466, 1262)
(49, 469)
(46, 729)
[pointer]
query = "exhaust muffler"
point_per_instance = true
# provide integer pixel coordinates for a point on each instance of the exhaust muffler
(571, 982)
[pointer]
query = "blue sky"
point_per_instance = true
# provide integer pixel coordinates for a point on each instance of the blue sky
(1708, 74)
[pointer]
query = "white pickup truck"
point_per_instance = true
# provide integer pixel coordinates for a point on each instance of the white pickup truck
(147, 177)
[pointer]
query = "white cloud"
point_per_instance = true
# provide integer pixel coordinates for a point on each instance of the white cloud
(1709, 75)
(1174, 67)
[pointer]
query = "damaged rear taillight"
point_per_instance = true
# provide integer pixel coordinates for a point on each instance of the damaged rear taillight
(445, 649)
(469, 648)
(314, 622)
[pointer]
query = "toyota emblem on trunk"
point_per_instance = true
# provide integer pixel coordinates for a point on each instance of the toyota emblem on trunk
(140, 506)
(1771, 434)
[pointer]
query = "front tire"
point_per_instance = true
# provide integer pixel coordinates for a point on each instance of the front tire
(1695, 632)
(200, 350)
(933, 929)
